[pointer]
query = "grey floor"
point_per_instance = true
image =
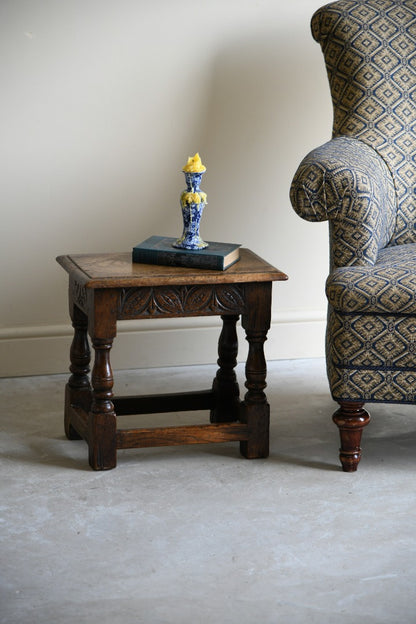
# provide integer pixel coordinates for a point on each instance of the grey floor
(198, 534)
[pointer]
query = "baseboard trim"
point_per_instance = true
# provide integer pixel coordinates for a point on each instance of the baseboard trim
(44, 350)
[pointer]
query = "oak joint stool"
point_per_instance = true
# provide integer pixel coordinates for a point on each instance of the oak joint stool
(106, 288)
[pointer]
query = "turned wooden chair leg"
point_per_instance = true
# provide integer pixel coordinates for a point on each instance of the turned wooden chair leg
(351, 418)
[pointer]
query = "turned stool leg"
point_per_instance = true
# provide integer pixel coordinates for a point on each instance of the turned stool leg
(351, 418)
(255, 411)
(225, 384)
(78, 389)
(101, 418)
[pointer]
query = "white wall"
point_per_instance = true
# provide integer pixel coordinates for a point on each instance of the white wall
(102, 102)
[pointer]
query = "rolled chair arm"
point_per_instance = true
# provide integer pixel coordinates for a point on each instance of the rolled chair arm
(347, 182)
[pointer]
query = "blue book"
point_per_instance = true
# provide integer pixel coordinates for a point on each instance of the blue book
(159, 250)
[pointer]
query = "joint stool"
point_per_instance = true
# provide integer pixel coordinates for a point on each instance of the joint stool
(106, 288)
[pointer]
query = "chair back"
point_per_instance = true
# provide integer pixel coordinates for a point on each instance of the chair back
(370, 54)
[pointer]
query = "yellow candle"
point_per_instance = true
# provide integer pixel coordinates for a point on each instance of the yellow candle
(194, 165)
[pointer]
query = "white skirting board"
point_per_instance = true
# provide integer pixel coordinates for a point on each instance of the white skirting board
(44, 350)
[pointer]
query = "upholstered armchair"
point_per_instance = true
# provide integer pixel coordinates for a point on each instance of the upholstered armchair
(363, 182)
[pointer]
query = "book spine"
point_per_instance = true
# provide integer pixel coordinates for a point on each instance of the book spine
(192, 261)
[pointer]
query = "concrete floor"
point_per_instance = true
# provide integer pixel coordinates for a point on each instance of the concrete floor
(199, 535)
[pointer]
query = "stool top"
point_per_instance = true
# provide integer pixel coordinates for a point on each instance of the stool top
(116, 270)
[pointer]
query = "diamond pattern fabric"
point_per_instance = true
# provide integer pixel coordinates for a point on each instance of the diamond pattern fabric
(370, 55)
(388, 287)
(364, 182)
(346, 182)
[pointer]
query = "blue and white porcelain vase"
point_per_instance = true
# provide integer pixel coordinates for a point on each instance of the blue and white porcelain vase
(193, 202)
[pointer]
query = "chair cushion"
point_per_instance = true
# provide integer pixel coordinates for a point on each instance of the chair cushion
(387, 287)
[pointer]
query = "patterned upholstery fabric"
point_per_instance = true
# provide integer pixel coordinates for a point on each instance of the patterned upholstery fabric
(346, 182)
(364, 182)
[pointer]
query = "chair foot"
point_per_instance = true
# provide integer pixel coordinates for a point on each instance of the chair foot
(350, 418)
